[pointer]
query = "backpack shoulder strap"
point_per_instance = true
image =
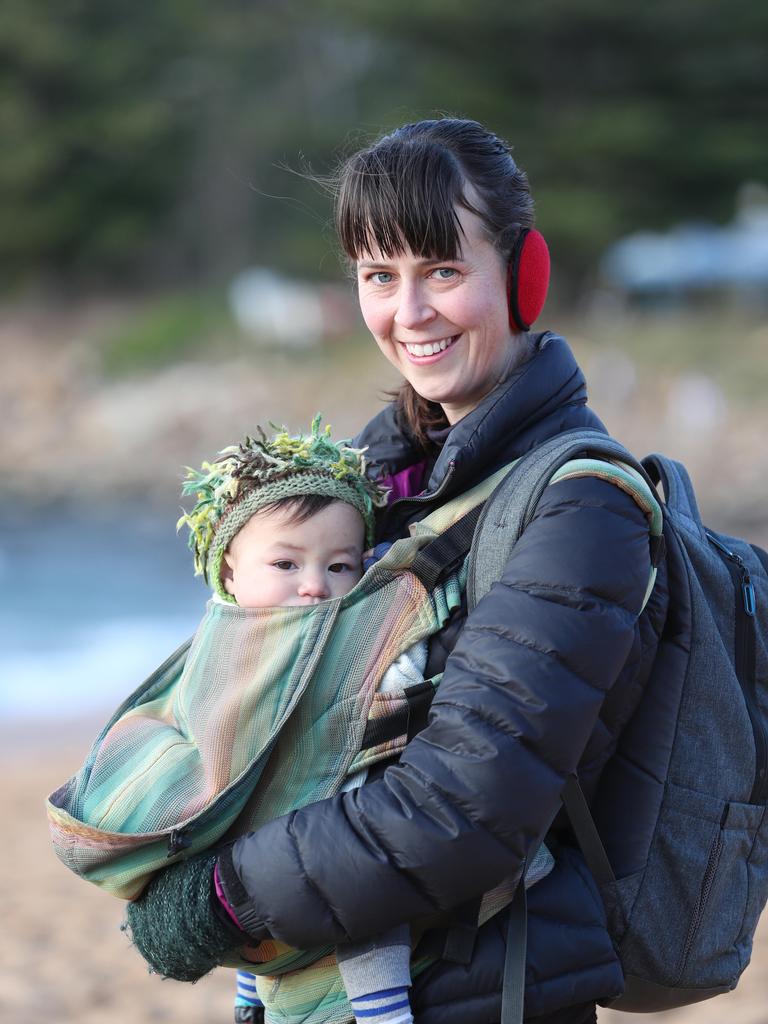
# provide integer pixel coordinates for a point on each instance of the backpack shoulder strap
(506, 513)
(679, 495)
(512, 505)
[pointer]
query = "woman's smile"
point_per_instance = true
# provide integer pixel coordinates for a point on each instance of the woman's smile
(429, 351)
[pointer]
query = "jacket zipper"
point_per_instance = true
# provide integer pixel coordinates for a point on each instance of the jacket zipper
(746, 606)
(421, 498)
(706, 887)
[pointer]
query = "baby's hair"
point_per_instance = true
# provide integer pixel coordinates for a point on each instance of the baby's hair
(300, 507)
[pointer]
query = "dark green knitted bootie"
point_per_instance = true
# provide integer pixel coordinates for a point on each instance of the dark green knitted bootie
(174, 925)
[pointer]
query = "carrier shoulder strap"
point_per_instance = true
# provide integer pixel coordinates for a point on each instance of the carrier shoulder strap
(446, 552)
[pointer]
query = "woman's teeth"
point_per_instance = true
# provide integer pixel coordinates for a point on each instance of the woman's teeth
(431, 347)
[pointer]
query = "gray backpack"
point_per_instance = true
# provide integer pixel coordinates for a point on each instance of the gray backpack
(696, 749)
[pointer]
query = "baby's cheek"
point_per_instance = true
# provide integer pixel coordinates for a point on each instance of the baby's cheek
(350, 580)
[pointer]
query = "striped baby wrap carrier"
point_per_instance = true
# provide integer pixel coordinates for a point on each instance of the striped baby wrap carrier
(263, 711)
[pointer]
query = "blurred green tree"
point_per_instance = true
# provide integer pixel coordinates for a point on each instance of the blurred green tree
(152, 143)
(94, 126)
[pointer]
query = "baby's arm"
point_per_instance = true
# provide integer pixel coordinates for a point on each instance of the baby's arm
(376, 975)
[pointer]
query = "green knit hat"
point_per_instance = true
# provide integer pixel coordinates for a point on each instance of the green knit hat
(260, 471)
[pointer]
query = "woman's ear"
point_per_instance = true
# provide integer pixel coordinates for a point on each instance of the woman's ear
(527, 279)
(227, 574)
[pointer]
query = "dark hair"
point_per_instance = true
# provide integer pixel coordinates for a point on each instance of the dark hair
(300, 507)
(403, 192)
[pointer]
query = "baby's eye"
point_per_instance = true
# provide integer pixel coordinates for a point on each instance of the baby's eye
(285, 564)
(444, 273)
(338, 567)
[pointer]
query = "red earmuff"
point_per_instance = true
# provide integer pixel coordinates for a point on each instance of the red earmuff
(527, 279)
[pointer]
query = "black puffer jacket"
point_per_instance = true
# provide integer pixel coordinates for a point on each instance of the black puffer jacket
(544, 675)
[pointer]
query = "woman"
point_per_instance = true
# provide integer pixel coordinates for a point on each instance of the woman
(538, 680)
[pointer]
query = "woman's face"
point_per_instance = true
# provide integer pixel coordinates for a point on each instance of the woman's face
(444, 324)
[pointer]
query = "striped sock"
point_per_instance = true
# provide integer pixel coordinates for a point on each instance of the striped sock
(246, 990)
(390, 1006)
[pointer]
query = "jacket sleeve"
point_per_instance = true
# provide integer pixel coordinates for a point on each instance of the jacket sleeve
(517, 704)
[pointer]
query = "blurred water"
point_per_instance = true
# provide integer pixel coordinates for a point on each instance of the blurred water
(89, 605)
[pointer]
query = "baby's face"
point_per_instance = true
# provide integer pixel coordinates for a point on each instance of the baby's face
(273, 561)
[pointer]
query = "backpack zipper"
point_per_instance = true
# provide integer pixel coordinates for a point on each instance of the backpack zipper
(746, 607)
(706, 887)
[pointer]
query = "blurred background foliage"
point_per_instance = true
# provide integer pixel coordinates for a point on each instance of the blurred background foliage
(166, 219)
(152, 144)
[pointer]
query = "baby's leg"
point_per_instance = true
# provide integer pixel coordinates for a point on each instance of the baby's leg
(248, 1007)
(377, 975)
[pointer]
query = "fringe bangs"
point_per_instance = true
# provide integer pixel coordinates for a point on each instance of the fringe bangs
(402, 197)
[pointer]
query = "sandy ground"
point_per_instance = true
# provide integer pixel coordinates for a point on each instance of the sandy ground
(63, 957)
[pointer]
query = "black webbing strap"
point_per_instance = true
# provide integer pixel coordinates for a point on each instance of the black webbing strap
(446, 552)
(461, 936)
(513, 991)
(585, 830)
(419, 699)
(658, 550)
(583, 824)
(407, 720)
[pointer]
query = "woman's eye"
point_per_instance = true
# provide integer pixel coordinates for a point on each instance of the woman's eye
(381, 277)
(445, 273)
(285, 564)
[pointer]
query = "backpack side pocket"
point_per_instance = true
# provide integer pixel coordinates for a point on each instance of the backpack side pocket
(691, 925)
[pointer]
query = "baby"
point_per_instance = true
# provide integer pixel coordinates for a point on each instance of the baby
(296, 536)
(266, 709)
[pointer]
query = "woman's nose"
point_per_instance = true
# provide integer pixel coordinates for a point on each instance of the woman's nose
(413, 306)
